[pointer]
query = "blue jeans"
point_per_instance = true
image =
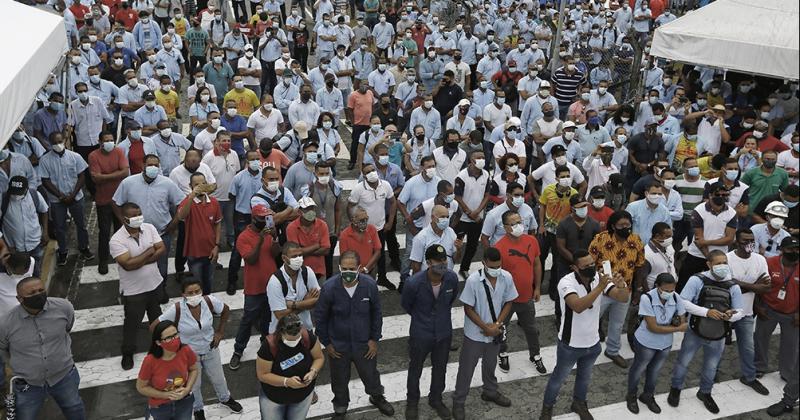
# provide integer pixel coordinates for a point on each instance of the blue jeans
(712, 353)
(211, 365)
(30, 398)
(59, 213)
(255, 311)
(646, 360)
(566, 358)
(271, 410)
(405, 268)
(174, 410)
(202, 269)
(746, 344)
(616, 320)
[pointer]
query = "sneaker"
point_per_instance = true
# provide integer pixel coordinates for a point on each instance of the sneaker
(617, 359)
(233, 405)
(102, 268)
(630, 401)
(497, 398)
(231, 290)
(709, 402)
(674, 397)
(650, 402)
(778, 409)
(386, 283)
(62, 260)
(756, 385)
(219, 266)
(581, 409)
(379, 401)
(458, 412)
(547, 413)
(127, 362)
(236, 361)
(200, 415)
(412, 411)
(537, 361)
(441, 410)
(759, 375)
(86, 254)
(503, 362)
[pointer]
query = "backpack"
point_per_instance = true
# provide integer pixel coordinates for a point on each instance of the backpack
(178, 309)
(272, 342)
(7, 198)
(713, 295)
(285, 286)
(278, 205)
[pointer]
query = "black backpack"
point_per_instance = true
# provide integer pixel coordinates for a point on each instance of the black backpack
(713, 295)
(277, 205)
(285, 286)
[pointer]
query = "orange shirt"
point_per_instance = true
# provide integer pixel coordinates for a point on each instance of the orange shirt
(600, 216)
(520, 262)
(316, 234)
(361, 106)
(364, 244)
(276, 159)
(102, 163)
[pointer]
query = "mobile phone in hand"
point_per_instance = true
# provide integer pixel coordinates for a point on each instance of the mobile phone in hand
(270, 222)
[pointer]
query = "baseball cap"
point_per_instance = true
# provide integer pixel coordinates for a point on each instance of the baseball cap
(301, 128)
(306, 202)
(513, 122)
(718, 107)
(260, 210)
(597, 192)
(568, 124)
(557, 149)
(576, 199)
(248, 47)
(435, 252)
(148, 95)
(544, 84)
(790, 242)
(463, 102)
(17, 185)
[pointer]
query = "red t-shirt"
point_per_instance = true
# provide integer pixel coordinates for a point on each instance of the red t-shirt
(256, 275)
(200, 236)
(276, 159)
(127, 17)
(102, 163)
(365, 245)
(782, 279)
(520, 262)
(600, 216)
(765, 144)
(167, 375)
(307, 236)
(136, 157)
(657, 8)
(79, 11)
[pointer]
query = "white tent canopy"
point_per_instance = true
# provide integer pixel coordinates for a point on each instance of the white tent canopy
(33, 43)
(759, 37)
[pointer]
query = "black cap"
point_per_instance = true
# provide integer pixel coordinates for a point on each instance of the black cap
(435, 252)
(788, 242)
(557, 149)
(17, 185)
(616, 179)
(148, 95)
(597, 192)
(576, 199)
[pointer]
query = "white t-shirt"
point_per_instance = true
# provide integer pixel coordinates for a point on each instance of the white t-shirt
(250, 64)
(373, 200)
(146, 277)
(204, 141)
(181, 176)
(547, 173)
(264, 126)
(582, 330)
(747, 270)
(496, 117)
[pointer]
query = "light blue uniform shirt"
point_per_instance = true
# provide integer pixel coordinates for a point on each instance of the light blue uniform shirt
(288, 198)
(430, 120)
(27, 147)
(532, 110)
(87, 119)
(427, 237)
(691, 292)
(172, 59)
(105, 90)
(415, 191)
(330, 101)
(493, 224)
(243, 187)
(474, 295)
(196, 334)
(20, 165)
(21, 229)
(363, 62)
(196, 109)
(431, 72)
(149, 147)
(469, 49)
(277, 301)
(644, 217)
(383, 34)
(150, 117)
(62, 171)
(297, 177)
(663, 312)
(589, 140)
(156, 198)
(574, 151)
(168, 150)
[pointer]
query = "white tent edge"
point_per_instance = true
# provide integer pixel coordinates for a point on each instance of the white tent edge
(36, 42)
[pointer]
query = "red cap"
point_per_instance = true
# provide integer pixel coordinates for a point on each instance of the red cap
(260, 210)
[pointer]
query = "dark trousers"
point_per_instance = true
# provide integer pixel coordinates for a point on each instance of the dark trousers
(58, 211)
(239, 9)
(526, 319)
(134, 307)
(691, 266)
(240, 222)
(106, 225)
(255, 311)
(340, 375)
(180, 259)
(31, 398)
(418, 351)
(84, 152)
(382, 259)
(357, 131)
(329, 258)
(471, 352)
(268, 78)
(392, 246)
(473, 232)
(682, 230)
(196, 62)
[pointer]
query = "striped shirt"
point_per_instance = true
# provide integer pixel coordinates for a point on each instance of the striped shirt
(691, 193)
(567, 85)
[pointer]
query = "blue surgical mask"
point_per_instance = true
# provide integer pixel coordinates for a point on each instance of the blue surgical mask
(312, 157)
(665, 295)
(721, 271)
(443, 223)
(582, 212)
(693, 171)
(3, 155)
(731, 174)
(518, 201)
(254, 165)
(790, 204)
(152, 171)
(449, 198)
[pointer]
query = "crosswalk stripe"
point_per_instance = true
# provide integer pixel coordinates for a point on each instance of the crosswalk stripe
(104, 371)
(727, 394)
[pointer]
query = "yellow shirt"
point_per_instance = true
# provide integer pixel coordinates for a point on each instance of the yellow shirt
(556, 206)
(704, 163)
(180, 26)
(684, 149)
(169, 101)
(246, 101)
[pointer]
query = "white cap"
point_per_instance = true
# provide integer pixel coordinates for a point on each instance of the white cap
(568, 124)
(306, 202)
(544, 84)
(513, 122)
(463, 102)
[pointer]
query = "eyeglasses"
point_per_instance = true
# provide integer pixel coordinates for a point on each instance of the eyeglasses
(170, 338)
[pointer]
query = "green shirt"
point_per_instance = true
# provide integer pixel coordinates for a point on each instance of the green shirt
(762, 185)
(691, 193)
(197, 38)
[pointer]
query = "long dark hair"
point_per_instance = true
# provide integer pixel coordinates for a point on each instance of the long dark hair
(155, 349)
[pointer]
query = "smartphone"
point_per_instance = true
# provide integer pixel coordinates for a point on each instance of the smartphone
(607, 267)
(270, 222)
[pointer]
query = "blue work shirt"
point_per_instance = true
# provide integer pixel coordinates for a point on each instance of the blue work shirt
(348, 322)
(169, 150)
(474, 295)
(417, 190)
(645, 217)
(150, 117)
(691, 292)
(430, 316)
(20, 165)
(287, 198)
(156, 198)
(62, 171)
(243, 187)
(663, 312)
(237, 124)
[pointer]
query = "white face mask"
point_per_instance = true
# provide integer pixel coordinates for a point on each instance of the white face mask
(512, 168)
(480, 163)
(194, 300)
(58, 148)
(292, 343)
(232, 112)
(135, 222)
(598, 203)
(569, 135)
(323, 179)
(272, 186)
(561, 160)
(430, 172)
(372, 177)
(517, 230)
(776, 223)
(295, 263)
(565, 182)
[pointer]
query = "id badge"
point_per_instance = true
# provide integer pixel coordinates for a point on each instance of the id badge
(781, 294)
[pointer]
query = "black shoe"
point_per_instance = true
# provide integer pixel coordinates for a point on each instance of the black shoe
(756, 385)
(233, 405)
(674, 397)
(200, 415)
(236, 361)
(412, 411)
(127, 362)
(709, 402)
(503, 363)
(231, 290)
(458, 412)
(617, 359)
(581, 409)
(537, 360)
(497, 398)
(219, 266)
(102, 268)
(62, 260)
(400, 287)
(464, 274)
(86, 254)
(650, 402)
(759, 375)
(630, 401)
(547, 413)
(386, 283)
(338, 416)
(379, 401)
(778, 409)
(441, 410)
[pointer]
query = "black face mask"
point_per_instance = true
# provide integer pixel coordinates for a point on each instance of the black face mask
(623, 233)
(769, 164)
(305, 96)
(791, 257)
(263, 16)
(588, 273)
(719, 201)
(420, 137)
(549, 114)
(35, 302)
(453, 145)
(259, 224)
(463, 111)
(192, 170)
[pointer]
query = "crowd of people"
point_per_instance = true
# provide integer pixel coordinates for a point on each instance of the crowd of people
(214, 127)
